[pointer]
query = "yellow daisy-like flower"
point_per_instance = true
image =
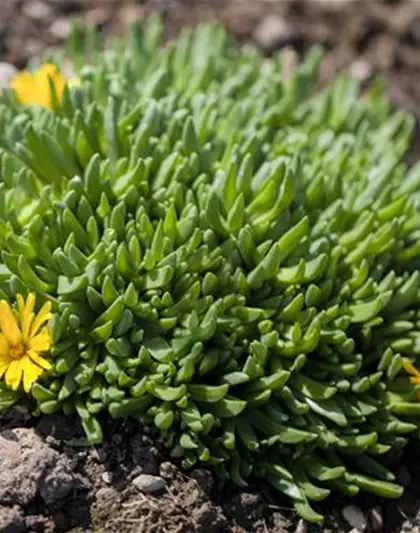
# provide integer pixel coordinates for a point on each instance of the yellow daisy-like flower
(411, 369)
(23, 337)
(33, 88)
(415, 374)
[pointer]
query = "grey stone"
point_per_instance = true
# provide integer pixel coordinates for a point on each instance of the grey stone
(274, 32)
(167, 470)
(11, 519)
(60, 28)
(29, 468)
(375, 519)
(36, 10)
(97, 17)
(354, 517)
(302, 526)
(7, 72)
(98, 455)
(149, 484)
(362, 70)
(107, 478)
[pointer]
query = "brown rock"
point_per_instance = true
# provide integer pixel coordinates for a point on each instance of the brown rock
(29, 468)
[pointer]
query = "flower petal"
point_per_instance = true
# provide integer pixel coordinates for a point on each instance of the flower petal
(21, 303)
(31, 373)
(5, 361)
(41, 342)
(43, 315)
(4, 346)
(5, 358)
(411, 369)
(34, 88)
(26, 310)
(9, 325)
(40, 361)
(14, 374)
(43, 76)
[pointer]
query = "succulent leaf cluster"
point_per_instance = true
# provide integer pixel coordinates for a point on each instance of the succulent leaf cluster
(231, 257)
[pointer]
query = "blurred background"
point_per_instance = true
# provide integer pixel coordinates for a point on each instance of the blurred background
(368, 37)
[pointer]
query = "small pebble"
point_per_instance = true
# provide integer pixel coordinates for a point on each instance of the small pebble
(7, 72)
(60, 28)
(97, 17)
(98, 455)
(52, 441)
(154, 451)
(36, 10)
(361, 70)
(149, 484)
(375, 518)
(302, 526)
(107, 478)
(354, 517)
(274, 32)
(167, 470)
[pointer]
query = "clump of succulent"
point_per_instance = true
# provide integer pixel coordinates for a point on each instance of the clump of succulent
(229, 256)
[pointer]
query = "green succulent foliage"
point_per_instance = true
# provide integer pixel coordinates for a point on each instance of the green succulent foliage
(231, 257)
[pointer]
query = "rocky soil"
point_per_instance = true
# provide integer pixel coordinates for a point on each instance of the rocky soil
(128, 485)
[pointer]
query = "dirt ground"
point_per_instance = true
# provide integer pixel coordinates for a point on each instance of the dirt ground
(96, 489)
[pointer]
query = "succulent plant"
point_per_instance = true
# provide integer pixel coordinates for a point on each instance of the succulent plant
(230, 257)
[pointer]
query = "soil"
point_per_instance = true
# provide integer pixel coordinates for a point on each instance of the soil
(368, 37)
(49, 485)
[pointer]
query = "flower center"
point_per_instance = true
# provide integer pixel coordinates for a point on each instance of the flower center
(18, 351)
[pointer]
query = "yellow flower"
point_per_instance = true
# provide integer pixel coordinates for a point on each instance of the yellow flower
(33, 88)
(23, 337)
(411, 369)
